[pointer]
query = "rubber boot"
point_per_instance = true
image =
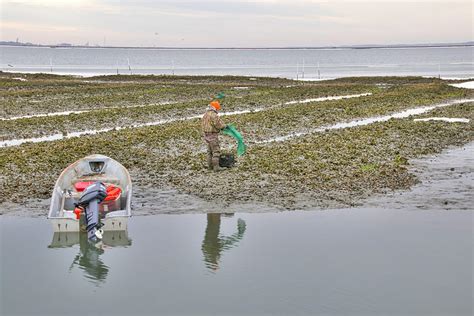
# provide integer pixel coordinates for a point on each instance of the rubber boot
(210, 166)
(215, 165)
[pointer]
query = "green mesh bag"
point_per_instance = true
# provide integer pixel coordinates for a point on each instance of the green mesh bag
(232, 132)
(220, 96)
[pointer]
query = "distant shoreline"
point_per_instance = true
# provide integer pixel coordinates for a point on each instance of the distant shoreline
(440, 45)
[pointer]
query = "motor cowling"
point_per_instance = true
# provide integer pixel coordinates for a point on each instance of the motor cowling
(89, 201)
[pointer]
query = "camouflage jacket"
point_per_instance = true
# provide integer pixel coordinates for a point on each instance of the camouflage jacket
(211, 122)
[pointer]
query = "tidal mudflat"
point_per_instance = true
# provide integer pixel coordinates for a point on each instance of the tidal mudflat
(318, 167)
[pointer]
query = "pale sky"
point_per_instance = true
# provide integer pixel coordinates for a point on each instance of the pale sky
(236, 23)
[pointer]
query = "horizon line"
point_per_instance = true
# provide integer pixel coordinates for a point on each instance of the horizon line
(357, 46)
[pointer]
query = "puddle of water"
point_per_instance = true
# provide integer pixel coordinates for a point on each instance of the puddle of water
(43, 115)
(329, 98)
(367, 121)
(465, 85)
(444, 119)
(345, 262)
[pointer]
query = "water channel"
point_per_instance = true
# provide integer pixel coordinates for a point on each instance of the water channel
(340, 262)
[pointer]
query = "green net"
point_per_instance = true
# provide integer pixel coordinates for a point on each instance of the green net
(232, 132)
(220, 96)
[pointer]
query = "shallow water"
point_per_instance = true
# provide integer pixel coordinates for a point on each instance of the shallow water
(308, 63)
(61, 113)
(345, 262)
(443, 119)
(329, 98)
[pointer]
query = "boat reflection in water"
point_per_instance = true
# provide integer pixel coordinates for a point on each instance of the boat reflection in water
(88, 259)
(214, 244)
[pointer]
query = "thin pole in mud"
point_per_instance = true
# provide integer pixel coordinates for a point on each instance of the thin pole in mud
(297, 70)
(303, 70)
(129, 68)
(116, 65)
(319, 72)
(51, 64)
(439, 71)
(172, 67)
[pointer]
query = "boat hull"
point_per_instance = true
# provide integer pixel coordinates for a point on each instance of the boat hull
(70, 225)
(91, 168)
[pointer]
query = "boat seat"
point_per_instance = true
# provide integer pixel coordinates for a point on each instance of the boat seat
(101, 178)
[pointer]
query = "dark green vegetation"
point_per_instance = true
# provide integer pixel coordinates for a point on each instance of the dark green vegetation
(112, 103)
(324, 169)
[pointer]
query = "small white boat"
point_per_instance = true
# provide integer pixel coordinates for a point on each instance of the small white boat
(114, 211)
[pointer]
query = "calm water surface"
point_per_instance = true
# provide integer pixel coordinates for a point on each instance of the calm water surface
(288, 63)
(339, 262)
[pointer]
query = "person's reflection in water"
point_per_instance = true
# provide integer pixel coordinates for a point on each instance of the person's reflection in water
(213, 244)
(88, 259)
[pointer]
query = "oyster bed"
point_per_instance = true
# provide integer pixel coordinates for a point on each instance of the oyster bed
(111, 104)
(332, 168)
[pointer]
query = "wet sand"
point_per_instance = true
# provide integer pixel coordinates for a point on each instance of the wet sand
(446, 182)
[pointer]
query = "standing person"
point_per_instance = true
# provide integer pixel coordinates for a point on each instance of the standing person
(211, 125)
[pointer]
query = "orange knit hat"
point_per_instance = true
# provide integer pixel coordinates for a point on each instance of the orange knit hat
(216, 105)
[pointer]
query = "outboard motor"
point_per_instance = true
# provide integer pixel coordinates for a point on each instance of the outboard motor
(89, 201)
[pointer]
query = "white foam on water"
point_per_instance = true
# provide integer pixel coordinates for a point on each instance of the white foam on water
(444, 119)
(367, 121)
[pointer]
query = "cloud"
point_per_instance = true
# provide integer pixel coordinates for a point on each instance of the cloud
(37, 27)
(98, 6)
(239, 22)
(49, 3)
